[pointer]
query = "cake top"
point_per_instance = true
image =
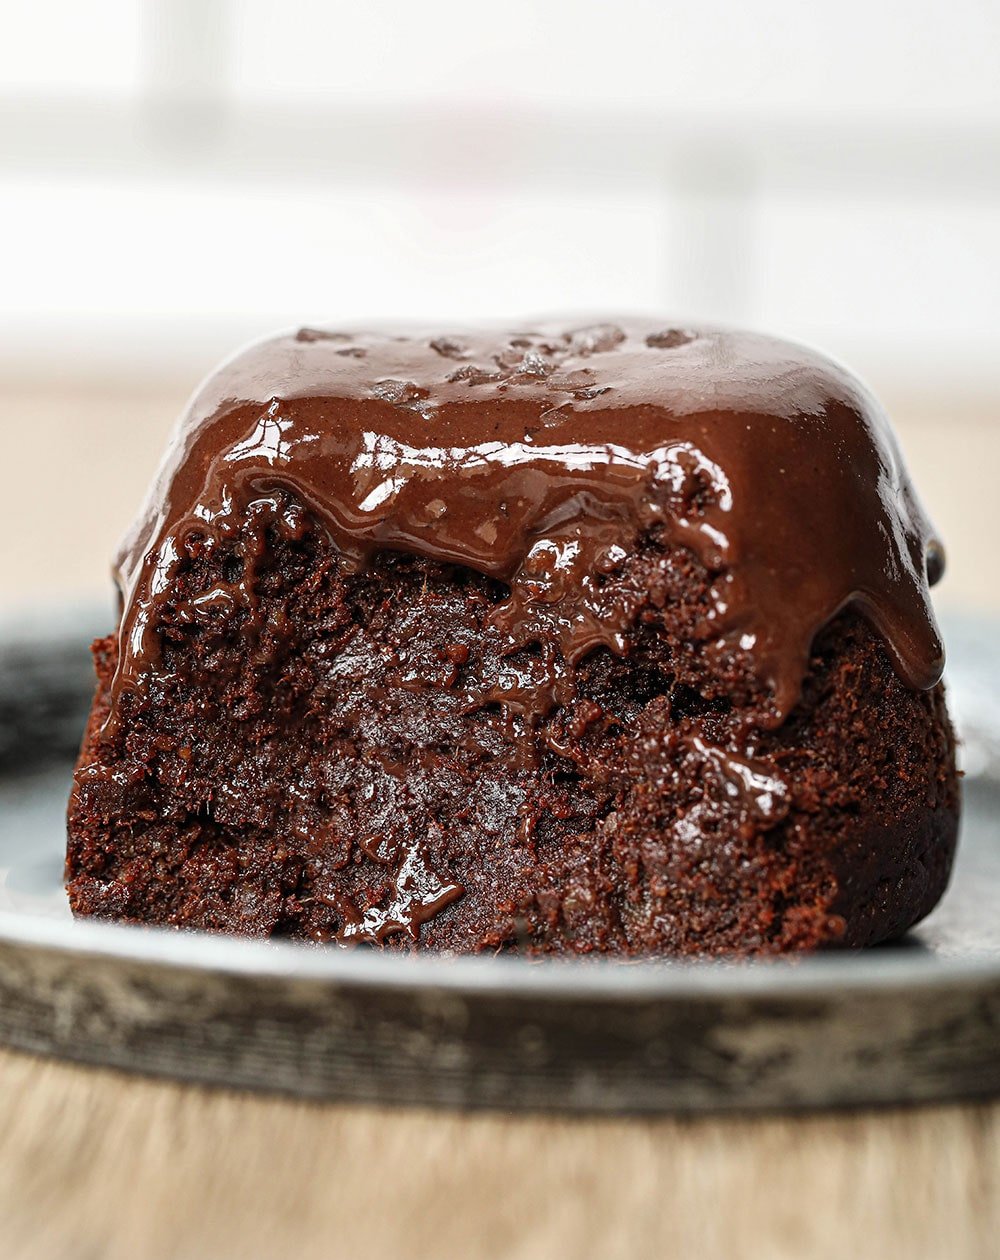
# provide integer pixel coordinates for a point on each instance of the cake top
(539, 455)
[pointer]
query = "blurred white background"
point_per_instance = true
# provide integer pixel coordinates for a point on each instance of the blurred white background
(177, 176)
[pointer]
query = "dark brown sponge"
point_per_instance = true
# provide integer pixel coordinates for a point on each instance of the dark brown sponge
(350, 760)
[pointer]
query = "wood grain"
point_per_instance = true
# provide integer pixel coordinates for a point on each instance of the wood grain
(99, 1166)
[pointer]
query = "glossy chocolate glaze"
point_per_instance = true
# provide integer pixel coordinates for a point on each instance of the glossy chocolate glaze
(537, 457)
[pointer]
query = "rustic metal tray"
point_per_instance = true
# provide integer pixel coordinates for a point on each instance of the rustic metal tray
(919, 1020)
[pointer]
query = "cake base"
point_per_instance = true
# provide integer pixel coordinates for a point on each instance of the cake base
(361, 758)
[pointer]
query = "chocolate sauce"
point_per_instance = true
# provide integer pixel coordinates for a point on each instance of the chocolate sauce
(417, 895)
(537, 457)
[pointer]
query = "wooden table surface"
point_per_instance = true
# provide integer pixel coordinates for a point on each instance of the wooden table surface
(95, 1165)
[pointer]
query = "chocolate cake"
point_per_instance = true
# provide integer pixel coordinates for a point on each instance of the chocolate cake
(561, 640)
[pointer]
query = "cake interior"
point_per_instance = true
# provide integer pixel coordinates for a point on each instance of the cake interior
(358, 753)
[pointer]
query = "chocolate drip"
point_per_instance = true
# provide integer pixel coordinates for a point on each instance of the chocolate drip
(538, 458)
(417, 895)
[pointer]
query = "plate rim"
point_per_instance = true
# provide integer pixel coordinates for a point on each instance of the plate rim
(608, 979)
